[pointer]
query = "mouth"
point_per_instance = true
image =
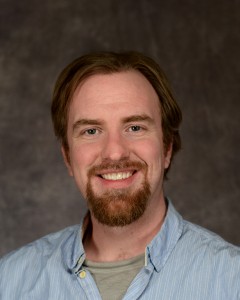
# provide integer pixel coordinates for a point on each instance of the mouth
(117, 175)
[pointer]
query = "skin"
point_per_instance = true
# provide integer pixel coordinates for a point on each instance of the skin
(114, 117)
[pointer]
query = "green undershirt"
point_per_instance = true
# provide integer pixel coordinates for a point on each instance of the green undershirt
(114, 278)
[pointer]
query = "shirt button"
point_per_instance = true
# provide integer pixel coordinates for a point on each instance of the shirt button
(82, 274)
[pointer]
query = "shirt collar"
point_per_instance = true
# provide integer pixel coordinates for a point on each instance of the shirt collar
(160, 248)
(157, 252)
(73, 249)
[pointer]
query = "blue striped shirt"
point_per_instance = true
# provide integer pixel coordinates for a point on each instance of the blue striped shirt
(183, 261)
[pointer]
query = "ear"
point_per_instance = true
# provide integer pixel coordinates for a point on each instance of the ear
(66, 159)
(168, 156)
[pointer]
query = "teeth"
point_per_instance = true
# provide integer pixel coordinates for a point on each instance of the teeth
(117, 176)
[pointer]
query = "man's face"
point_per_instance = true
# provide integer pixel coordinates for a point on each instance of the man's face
(116, 151)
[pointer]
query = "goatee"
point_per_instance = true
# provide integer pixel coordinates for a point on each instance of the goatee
(118, 207)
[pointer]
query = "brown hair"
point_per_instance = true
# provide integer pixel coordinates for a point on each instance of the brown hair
(110, 62)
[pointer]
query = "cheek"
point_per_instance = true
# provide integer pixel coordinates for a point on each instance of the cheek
(82, 158)
(150, 151)
(153, 155)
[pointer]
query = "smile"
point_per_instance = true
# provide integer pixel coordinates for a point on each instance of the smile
(117, 176)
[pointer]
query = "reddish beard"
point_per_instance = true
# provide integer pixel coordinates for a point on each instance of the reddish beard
(118, 207)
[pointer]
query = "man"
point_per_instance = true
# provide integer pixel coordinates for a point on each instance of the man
(118, 125)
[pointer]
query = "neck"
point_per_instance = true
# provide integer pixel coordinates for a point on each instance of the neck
(105, 244)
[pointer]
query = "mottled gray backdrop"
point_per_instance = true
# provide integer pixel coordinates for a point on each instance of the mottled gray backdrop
(198, 45)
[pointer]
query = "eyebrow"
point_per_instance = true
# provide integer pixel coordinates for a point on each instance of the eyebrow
(82, 122)
(129, 119)
(137, 118)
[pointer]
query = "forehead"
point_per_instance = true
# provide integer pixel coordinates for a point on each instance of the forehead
(114, 92)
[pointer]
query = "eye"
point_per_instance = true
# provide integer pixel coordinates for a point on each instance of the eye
(134, 128)
(90, 132)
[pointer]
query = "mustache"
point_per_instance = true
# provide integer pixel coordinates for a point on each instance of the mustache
(115, 166)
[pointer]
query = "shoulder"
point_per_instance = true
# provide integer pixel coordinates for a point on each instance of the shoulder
(208, 259)
(210, 251)
(196, 239)
(206, 238)
(45, 247)
(38, 266)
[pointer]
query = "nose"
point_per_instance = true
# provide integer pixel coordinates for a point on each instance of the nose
(115, 147)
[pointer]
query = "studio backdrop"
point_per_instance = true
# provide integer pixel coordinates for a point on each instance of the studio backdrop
(197, 43)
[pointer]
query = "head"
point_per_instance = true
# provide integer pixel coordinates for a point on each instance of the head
(118, 124)
(108, 63)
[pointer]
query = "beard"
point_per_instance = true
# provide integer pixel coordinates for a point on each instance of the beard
(118, 207)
